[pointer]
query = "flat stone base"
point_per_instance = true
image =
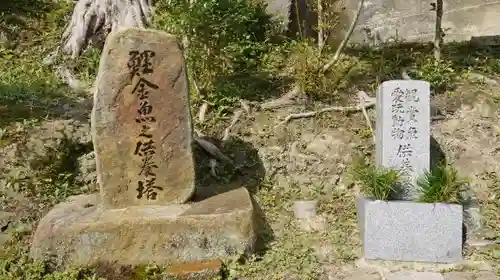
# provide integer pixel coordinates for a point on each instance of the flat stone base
(81, 232)
(410, 231)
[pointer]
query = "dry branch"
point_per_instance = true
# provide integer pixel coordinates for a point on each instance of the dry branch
(345, 109)
(236, 116)
(69, 78)
(438, 36)
(202, 112)
(212, 150)
(246, 107)
(286, 100)
(342, 45)
(362, 98)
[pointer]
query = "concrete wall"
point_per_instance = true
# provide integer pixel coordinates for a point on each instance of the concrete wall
(412, 20)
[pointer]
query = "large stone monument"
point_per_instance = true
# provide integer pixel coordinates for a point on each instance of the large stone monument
(142, 134)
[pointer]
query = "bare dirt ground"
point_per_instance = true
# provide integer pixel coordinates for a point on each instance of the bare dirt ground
(315, 153)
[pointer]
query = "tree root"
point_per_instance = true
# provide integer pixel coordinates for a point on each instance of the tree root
(202, 112)
(310, 114)
(93, 20)
(286, 100)
(69, 78)
(362, 98)
(405, 75)
(484, 79)
(212, 150)
(245, 105)
(236, 116)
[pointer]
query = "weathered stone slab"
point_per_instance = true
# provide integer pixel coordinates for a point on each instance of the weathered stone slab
(410, 231)
(79, 232)
(403, 130)
(141, 123)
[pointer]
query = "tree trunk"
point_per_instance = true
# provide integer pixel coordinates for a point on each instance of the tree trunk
(438, 35)
(93, 20)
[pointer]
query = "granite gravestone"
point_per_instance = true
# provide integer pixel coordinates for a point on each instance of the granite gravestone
(403, 130)
(142, 132)
(407, 230)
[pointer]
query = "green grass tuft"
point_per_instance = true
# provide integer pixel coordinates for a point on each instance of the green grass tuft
(441, 184)
(379, 183)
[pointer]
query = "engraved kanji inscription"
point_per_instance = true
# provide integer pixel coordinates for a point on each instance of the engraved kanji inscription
(140, 63)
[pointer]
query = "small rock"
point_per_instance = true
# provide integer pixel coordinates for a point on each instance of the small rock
(335, 179)
(317, 223)
(485, 110)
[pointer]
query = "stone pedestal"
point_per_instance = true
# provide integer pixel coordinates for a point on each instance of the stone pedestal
(142, 136)
(81, 232)
(410, 231)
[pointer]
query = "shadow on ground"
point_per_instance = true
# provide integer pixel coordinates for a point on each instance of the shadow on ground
(437, 158)
(437, 155)
(250, 84)
(248, 172)
(387, 63)
(14, 15)
(28, 8)
(19, 103)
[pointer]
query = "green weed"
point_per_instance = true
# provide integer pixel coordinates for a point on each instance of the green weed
(224, 40)
(21, 267)
(28, 88)
(379, 183)
(441, 76)
(441, 184)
